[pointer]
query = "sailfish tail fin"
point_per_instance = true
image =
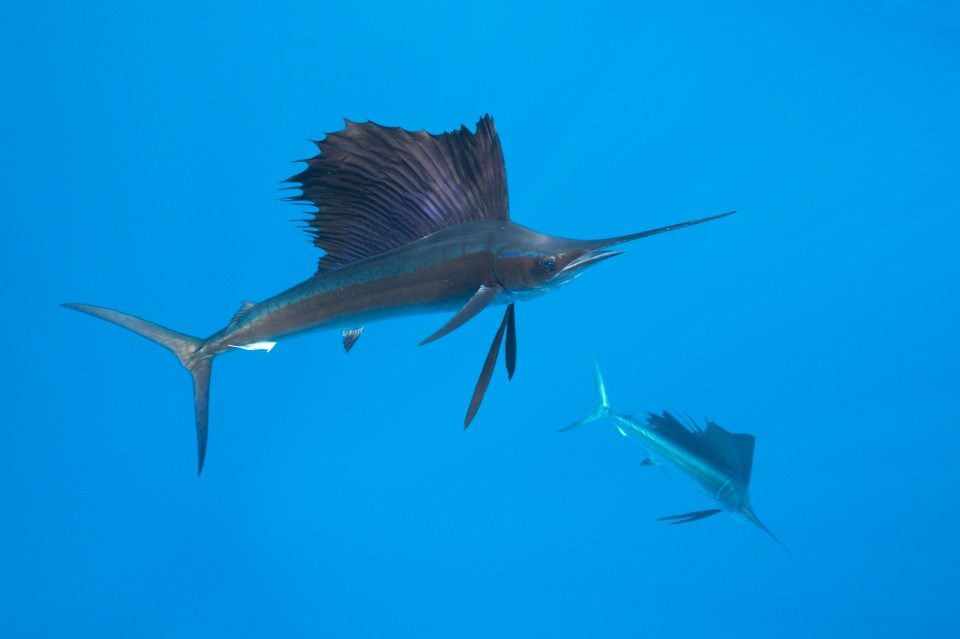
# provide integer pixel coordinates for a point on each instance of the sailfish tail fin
(601, 409)
(183, 346)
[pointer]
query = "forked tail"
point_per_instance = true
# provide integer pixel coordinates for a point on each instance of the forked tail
(602, 408)
(183, 346)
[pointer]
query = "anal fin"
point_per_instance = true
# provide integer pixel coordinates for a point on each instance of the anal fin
(256, 346)
(350, 337)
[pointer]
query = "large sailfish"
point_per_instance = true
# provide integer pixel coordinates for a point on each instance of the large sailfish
(719, 462)
(410, 223)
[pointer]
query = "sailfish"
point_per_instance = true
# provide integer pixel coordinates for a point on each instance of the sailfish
(719, 462)
(409, 222)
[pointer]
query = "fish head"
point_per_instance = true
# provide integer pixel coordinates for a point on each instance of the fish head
(528, 264)
(737, 502)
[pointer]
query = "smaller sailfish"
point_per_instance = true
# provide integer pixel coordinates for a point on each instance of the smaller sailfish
(718, 461)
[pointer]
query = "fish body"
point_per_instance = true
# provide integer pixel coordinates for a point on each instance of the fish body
(714, 481)
(409, 223)
(717, 461)
(439, 273)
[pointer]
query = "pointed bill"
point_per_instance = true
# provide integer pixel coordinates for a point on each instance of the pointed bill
(752, 516)
(613, 241)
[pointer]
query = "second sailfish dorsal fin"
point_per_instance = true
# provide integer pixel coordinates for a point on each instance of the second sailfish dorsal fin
(378, 188)
(731, 452)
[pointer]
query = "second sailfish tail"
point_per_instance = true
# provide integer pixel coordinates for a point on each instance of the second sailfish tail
(602, 407)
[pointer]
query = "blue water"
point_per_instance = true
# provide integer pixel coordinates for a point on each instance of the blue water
(143, 146)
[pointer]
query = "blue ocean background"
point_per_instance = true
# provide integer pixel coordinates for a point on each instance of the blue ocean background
(143, 149)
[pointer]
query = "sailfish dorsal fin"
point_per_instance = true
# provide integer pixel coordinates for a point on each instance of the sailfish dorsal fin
(730, 452)
(378, 188)
(734, 451)
(242, 312)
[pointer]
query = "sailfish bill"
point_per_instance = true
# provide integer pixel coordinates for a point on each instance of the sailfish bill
(408, 223)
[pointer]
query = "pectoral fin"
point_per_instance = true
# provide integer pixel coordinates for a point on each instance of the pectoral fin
(480, 300)
(488, 365)
(687, 518)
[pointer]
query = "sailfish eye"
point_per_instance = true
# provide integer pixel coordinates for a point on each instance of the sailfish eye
(548, 264)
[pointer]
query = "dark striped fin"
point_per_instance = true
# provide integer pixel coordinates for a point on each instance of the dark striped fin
(731, 452)
(735, 449)
(378, 188)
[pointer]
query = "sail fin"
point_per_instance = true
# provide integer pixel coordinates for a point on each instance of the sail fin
(731, 452)
(379, 188)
